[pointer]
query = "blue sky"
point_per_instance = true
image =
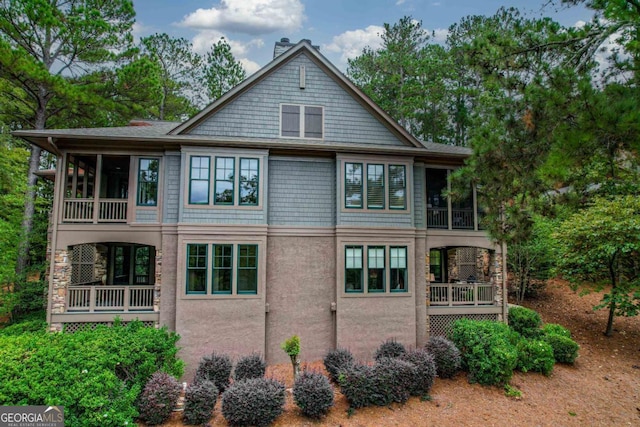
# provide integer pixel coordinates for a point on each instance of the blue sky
(340, 27)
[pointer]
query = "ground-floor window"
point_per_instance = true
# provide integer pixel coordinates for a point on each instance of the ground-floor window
(233, 267)
(386, 269)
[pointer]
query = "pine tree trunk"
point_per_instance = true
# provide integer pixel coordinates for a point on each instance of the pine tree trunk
(29, 203)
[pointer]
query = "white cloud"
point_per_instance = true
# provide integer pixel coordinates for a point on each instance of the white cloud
(439, 35)
(249, 16)
(140, 30)
(351, 43)
(436, 4)
(400, 2)
(249, 66)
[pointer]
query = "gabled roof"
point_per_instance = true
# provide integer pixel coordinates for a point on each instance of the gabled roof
(315, 55)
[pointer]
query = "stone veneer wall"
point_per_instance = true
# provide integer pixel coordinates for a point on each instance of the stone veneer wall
(496, 279)
(59, 283)
(100, 264)
(157, 282)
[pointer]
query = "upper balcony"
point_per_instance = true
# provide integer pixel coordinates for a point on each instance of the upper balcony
(97, 187)
(442, 212)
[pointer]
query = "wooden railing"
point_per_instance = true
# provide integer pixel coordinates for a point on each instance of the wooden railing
(110, 298)
(86, 210)
(437, 218)
(462, 219)
(454, 294)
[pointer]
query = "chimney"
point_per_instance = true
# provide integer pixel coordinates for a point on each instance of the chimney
(284, 45)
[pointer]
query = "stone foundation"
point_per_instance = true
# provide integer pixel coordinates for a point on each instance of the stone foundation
(60, 281)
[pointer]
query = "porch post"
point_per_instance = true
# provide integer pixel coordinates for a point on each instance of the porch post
(96, 189)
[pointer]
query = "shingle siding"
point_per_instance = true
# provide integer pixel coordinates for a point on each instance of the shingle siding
(361, 218)
(222, 216)
(302, 193)
(146, 215)
(418, 198)
(345, 120)
(171, 188)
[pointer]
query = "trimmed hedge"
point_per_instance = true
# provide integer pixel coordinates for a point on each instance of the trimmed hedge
(215, 367)
(488, 350)
(199, 401)
(446, 355)
(535, 356)
(525, 321)
(313, 394)
(356, 385)
(390, 348)
(425, 371)
(555, 329)
(257, 401)
(158, 398)
(565, 350)
(336, 361)
(96, 375)
(251, 366)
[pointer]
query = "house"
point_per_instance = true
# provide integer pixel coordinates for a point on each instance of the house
(291, 205)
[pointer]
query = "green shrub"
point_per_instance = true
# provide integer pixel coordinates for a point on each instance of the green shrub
(30, 324)
(446, 355)
(251, 366)
(158, 398)
(390, 348)
(216, 368)
(488, 350)
(313, 394)
(96, 375)
(257, 401)
(199, 401)
(555, 329)
(565, 350)
(336, 361)
(356, 385)
(425, 371)
(535, 356)
(525, 321)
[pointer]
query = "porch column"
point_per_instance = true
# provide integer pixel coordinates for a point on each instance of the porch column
(59, 282)
(157, 281)
(496, 281)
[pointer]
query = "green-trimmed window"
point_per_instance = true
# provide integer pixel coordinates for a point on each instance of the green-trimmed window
(375, 186)
(199, 180)
(196, 269)
(353, 269)
(225, 173)
(375, 268)
(397, 187)
(222, 274)
(247, 269)
(353, 185)
(249, 181)
(398, 268)
(148, 182)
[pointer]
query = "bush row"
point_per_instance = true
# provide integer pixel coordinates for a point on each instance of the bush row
(97, 375)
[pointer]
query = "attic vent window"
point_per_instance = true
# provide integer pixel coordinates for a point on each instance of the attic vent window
(301, 121)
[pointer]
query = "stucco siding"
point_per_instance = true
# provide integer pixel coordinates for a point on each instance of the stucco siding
(232, 326)
(345, 120)
(302, 193)
(171, 188)
(363, 323)
(168, 286)
(300, 289)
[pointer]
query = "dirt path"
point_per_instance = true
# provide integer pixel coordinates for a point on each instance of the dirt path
(602, 389)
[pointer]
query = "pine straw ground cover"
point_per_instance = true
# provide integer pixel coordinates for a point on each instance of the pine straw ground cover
(601, 389)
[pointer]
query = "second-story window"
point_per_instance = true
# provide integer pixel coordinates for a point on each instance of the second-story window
(148, 182)
(301, 121)
(199, 180)
(386, 186)
(375, 186)
(397, 187)
(249, 182)
(353, 185)
(225, 174)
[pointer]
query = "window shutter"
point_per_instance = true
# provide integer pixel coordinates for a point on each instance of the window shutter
(313, 122)
(290, 120)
